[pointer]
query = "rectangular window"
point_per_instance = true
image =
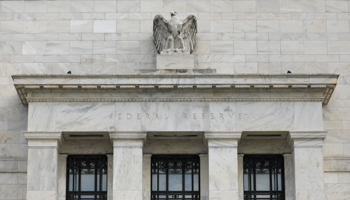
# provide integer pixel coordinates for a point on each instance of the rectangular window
(263, 177)
(175, 177)
(87, 178)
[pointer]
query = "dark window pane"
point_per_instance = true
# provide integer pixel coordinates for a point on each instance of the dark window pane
(162, 182)
(76, 180)
(263, 177)
(246, 182)
(87, 178)
(70, 180)
(262, 180)
(154, 182)
(177, 177)
(175, 182)
(104, 182)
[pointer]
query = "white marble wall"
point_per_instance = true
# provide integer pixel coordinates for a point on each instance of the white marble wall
(337, 185)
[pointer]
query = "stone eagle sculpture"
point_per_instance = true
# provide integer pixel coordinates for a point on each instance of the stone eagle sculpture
(174, 35)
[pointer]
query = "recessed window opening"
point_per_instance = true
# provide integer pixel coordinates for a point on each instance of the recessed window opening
(264, 177)
(86, 178)
(175, 177)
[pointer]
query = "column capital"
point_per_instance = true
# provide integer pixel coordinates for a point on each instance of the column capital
(226, 137)
(42, 135)
(128, 139)
(43, 139)
(311, 139)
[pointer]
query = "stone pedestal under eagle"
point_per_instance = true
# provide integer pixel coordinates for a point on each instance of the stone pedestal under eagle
(175, 35)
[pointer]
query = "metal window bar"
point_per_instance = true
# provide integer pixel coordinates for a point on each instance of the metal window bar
(274, 164)
(75, 165)
(166, 165)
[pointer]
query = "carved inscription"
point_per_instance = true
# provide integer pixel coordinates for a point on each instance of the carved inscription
(186, 116)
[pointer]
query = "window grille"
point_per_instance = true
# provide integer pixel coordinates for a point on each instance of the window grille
(175, 177)
(86, 178)
(264, 177)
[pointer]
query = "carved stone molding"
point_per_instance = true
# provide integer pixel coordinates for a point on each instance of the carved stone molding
(182, 87)
(44, 139)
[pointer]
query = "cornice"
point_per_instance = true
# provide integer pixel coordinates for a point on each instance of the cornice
(253, 83)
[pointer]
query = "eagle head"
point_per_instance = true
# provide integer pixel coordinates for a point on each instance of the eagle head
(173, 13)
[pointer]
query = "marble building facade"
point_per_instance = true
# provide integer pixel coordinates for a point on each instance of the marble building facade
(238, 87)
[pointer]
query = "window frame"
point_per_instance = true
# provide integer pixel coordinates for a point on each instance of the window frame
(277, 161)
(101, 163)
(195, 195)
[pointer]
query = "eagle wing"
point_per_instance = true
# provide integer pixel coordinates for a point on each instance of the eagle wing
(189, 31)
(160, 32)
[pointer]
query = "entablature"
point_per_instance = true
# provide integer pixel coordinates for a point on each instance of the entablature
(175, 87)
